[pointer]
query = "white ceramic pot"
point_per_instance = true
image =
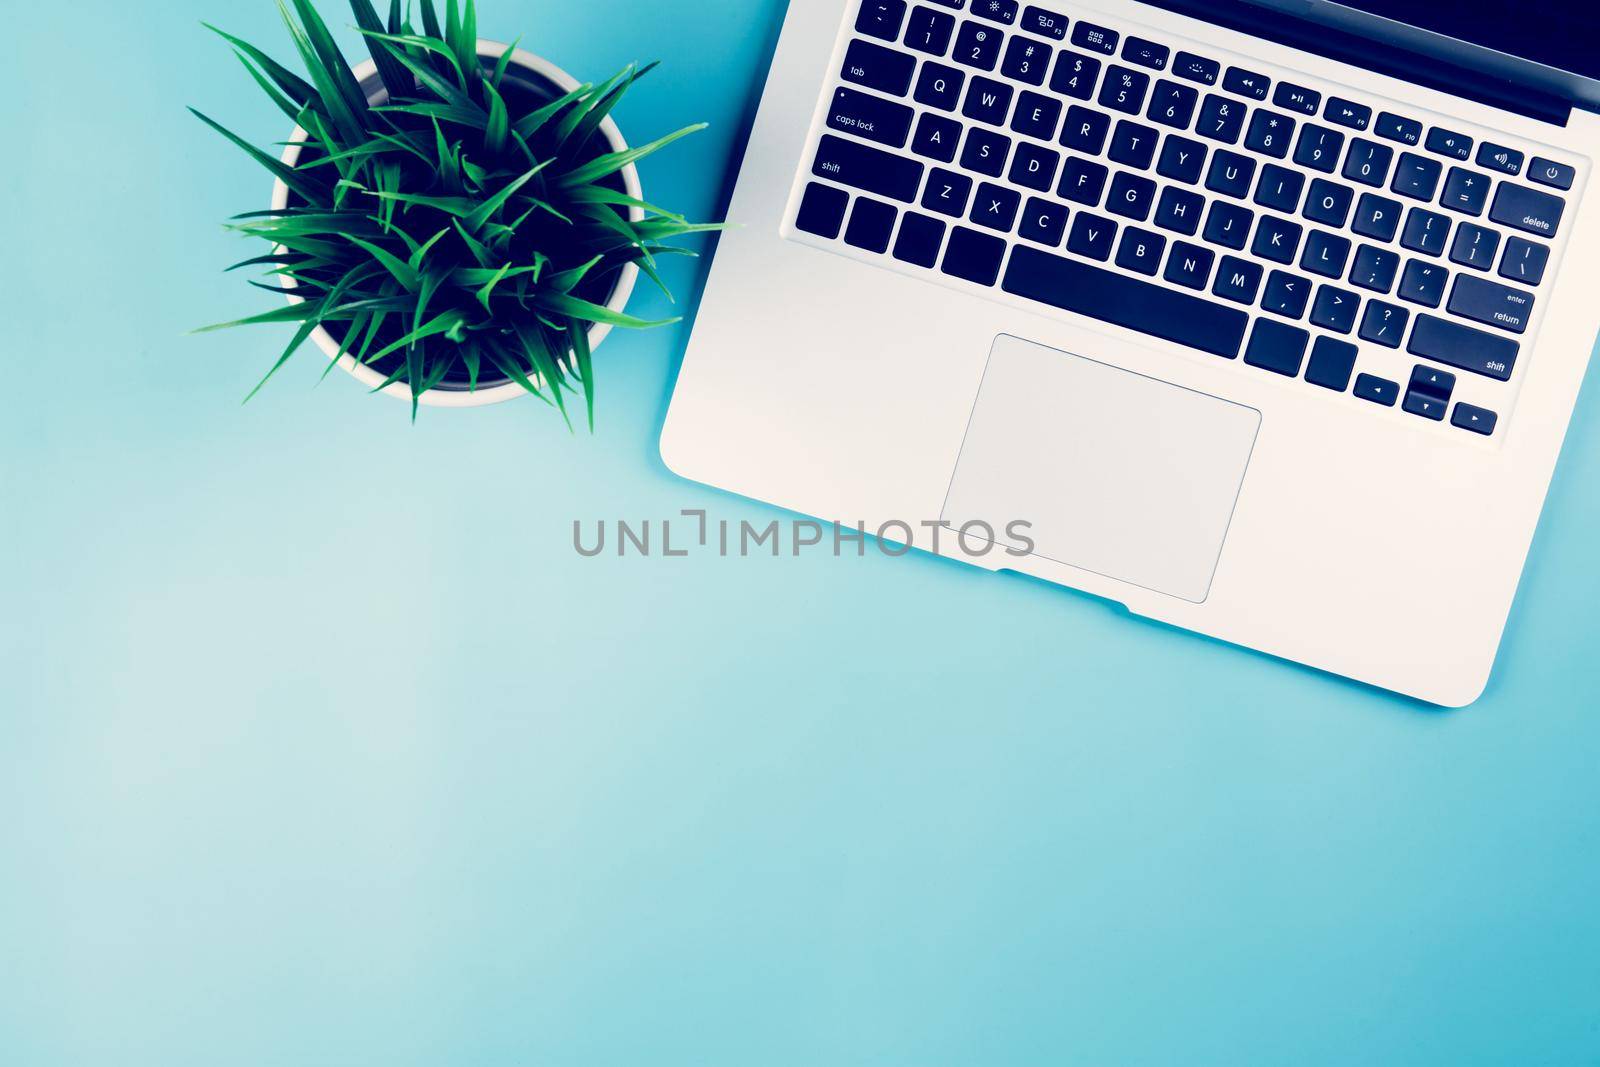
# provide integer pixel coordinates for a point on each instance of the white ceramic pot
(622, 289)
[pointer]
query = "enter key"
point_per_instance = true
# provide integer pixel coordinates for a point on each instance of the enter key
(1491, 303)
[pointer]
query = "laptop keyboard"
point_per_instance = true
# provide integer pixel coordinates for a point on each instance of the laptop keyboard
(1151, 187)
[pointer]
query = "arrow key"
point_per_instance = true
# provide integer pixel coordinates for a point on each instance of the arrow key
(1478, 420)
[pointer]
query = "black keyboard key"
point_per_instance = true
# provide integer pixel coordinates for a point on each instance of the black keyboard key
(1426, 232)
(1335, 309)
(939, 86)
(1475, 247)
(1417, 176)
(1133, 145)
(1231, 174)
(1270, 134)
(1548, 172)
(995, 207)
(870, 169)
(1128, 302)
(1228, 225)
(1478, 420)
(1344, 112)
(1286, 295)
(1191, 67)
(870, 117)
(1377, 217)
(1277, 348)
(1075, 75)
(1454, 145)
(822, 210)
(1146, 53)
(1095, 38)
(1433, 382)
(1082, 181)
(1131, 196)
(1182, 160)
(1124, 90)
(1527, 209)
(1319, 148)
(1504, 160)
(930, 31)
(1466, 192)
(974, 256)
(1279, 188)
(919, 240)
(988, 101)
(978, 46)
(1464, 347)
(1276, 239)
(1394, 128)
(1045, 23)
(1179, 210)
(1085, 131)
(1027, 61)
(1141, 251)
(1429, 407)
(937, 137)
(1034, 167)
(1044, 222)
(877, 67)
(985, 152)
(1368, 162)
(871, 223)
(1189, 266)
(1378, 390)
(1172, 104)
(1221, 119)
(1375, 269)
(1328, 203)
(1238, 280)
(1326, 254)
(1423, 283)
(947, 192)
(1002, 11)
(1295, 98)
(1524, 261)
(1491, 303)
(1384, 324)
(1247, 83)
(881, 18)
(1092, 237)
(1332, 364)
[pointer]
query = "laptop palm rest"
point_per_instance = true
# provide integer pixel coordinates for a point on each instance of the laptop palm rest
(1118, 474)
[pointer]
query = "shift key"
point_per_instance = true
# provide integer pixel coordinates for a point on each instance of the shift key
(864, 167)
(1492, 303)
(871, 117)
(1464, 347)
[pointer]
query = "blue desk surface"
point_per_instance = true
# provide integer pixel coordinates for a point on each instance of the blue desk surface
(319, 744)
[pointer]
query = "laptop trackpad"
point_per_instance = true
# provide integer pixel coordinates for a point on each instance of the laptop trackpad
(1122, 475)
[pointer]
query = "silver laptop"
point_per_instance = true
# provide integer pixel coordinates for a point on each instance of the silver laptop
(1264, 319)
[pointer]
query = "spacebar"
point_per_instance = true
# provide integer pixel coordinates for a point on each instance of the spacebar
(1124, 301)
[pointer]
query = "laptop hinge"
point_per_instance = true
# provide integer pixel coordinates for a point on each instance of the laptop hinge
(1376, 56)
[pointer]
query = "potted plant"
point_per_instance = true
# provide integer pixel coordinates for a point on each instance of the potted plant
(455, 221)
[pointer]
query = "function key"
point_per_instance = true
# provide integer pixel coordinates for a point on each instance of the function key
(1294, 98)
(1094, 38)
(957, 4)
(1504, 160)
(1548, 172)
(1395, 128)
(822, 210)
(1444, 143)
(881, 18)
(1004, 11)
(1478, 420)
(1345, 113)
(1247, 83)
(1146, 53)
(1045, 23)
(1195, 68)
